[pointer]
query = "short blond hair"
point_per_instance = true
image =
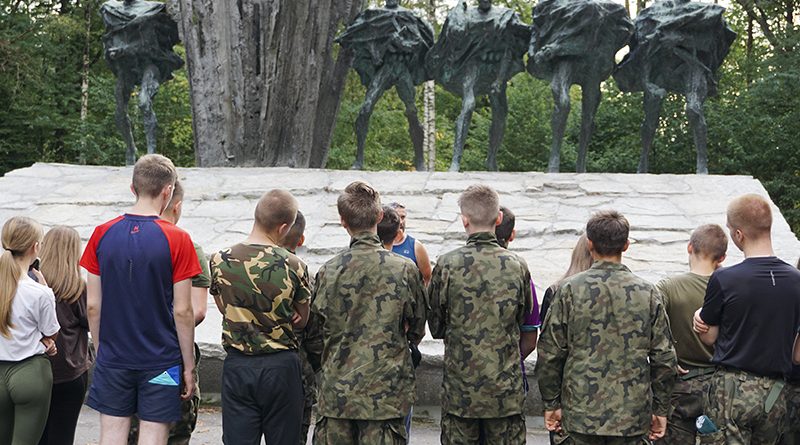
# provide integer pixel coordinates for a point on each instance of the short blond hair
(751, 214)
(481, 204)
(275, 208)
(709, 241)
(359, 206)
(151, 174)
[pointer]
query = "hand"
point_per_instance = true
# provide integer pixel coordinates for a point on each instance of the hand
(49, 346)
(682, 371)
(658, 427)
(698, 324)
(552, 420)
(188, 384)
(39, 277)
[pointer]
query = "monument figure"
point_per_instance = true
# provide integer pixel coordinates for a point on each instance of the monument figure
(478, 51)
(677, 46)
(574, 43)
(138, 47)
(390, 45)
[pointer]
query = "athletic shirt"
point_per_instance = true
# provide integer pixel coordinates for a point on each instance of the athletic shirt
(33, 316)
(138, 259)
(756, 305)
(406, 249)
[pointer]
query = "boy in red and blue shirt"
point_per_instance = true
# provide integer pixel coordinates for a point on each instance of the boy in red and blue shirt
(140, 312)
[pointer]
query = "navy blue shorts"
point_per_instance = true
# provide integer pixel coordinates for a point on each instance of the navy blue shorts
(154, 396)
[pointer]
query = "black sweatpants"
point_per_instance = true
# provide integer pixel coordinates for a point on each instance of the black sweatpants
(262, 395)
(65, 407)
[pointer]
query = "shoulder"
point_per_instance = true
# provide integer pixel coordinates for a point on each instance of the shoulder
(294, 262)
(172, 231)
(452, 257)
(30, 289)
(101, 230)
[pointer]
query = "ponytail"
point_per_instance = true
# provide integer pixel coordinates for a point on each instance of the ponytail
(18, 236)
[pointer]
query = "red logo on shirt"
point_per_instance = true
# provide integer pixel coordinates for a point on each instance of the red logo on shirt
(135, 229)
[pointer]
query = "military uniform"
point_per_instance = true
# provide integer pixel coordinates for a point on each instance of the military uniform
(310, 339)
(479, 296)
(262, 391)
(181, 431)
(791, 435)
(364, 297)
(606, 357)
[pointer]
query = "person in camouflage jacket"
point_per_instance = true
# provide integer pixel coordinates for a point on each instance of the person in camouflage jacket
(479, 296)
(370, 303)
(606, 363)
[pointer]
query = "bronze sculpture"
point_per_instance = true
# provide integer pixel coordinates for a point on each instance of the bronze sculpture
(138, 47)
(678, 46)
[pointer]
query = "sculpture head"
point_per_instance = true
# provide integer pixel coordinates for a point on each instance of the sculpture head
(484, 5)
(392, 4)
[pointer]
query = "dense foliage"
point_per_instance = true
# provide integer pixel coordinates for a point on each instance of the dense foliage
(49, 49)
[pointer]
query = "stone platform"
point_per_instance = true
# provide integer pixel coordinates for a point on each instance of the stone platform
(551, 210)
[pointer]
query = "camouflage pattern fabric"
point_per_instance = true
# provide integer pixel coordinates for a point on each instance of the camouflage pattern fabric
(258, 286)
(688, 403)
(585, 439)
(330, 431)
(605, 353)
(204, 279)
(364, 297)
(501, 431)
(479, 295)
(181, 431)
(310, 354)
(791, 435)
(736, 405)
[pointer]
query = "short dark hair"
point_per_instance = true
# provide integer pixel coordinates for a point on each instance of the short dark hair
(177, 196)
(709, 241)
(608, 231)
(292, 238)
(151, 174)
(359, 206)
(389, 225)
(275, 208)
(506, 226)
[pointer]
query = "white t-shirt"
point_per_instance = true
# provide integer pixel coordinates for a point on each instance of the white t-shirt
(33, 316)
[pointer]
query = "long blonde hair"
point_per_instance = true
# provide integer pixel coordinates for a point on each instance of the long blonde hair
(18, 236)
(581, 259)
(60, 254)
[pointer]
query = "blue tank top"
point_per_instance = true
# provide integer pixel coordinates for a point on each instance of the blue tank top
(406, 248)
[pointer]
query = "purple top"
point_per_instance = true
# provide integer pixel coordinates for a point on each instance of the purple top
(532, 320)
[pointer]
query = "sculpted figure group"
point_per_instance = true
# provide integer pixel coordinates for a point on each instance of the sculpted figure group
(675, 46)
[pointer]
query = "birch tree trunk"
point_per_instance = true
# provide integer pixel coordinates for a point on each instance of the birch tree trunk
(429, 104)
(264, 80)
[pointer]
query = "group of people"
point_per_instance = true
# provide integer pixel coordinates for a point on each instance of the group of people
(706, 355)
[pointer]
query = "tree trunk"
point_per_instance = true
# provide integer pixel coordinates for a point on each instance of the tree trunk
(429, 101)
(265, 87)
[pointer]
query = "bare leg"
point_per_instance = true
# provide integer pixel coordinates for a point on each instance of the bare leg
(591, 101)
(697, 91)
(151, 433)
(464, 119)
(379, 84)
(122, 93)
(652, 111)
(406, 91)
(499, 103)
(560, 88)
(114, 430)
(148, 92)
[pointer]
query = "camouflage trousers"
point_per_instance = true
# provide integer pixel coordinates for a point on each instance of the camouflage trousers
(310, 398)
(499, 431)
(330, 431)
(588, 439)
(688, 403)
(737, 406)
(181, 432)
(791, 435)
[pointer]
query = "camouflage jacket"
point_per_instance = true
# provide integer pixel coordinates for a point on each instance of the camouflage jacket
(479, 295)
(258, 286)
(605, 353)
(364, 296)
